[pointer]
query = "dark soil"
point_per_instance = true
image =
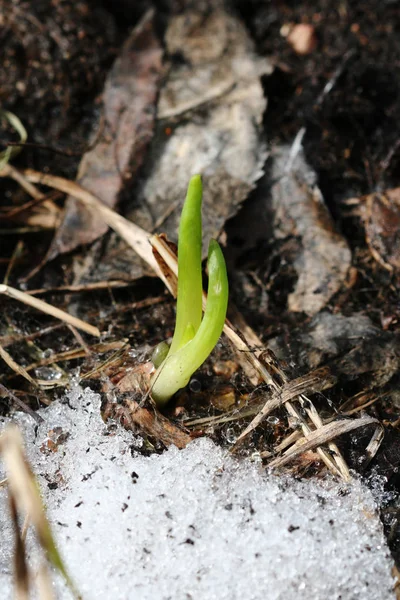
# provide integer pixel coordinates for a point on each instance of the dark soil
(352, 135)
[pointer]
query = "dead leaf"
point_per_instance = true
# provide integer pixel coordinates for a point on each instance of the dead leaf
(352, 346)
(210, 121)
(210, 113)
(381, 216)
(299, 211)
(128, 113)
(132, 386)
(150, 422)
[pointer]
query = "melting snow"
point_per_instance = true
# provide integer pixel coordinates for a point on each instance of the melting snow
(192, 524)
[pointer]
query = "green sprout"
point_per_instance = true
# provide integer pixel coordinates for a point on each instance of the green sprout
(194, 338)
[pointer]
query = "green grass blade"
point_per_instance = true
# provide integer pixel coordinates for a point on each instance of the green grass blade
(177, 369)
(188, 310)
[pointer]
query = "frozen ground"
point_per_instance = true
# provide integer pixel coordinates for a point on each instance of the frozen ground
(192, 524)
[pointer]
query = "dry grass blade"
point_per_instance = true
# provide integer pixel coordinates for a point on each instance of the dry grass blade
(86, 287)
(25, 492)
(322, 436)
(359, 402)
(80, 340)
(315, 382)
(101, 348)
(6, 393)
(41, 201)
(21, 572)
(312, 412)
(113, 359)
(47, 218)
(19, 370)
(396, 577)
(135, 236)
(16, 124)
(8, 340)
(17, 253)
(44, 584)
(312, 382)
(16, 367)
(234, 415)
(288, 441)
(333, 459)
(9, 171)
(166, 259)
(48, 309)
(374, 445)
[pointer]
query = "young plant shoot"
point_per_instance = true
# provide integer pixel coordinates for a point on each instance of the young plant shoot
(194, 338)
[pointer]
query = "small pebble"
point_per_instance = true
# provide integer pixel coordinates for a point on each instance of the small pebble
(302, 38)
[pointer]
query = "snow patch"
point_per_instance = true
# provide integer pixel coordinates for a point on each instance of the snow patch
(192, 524)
